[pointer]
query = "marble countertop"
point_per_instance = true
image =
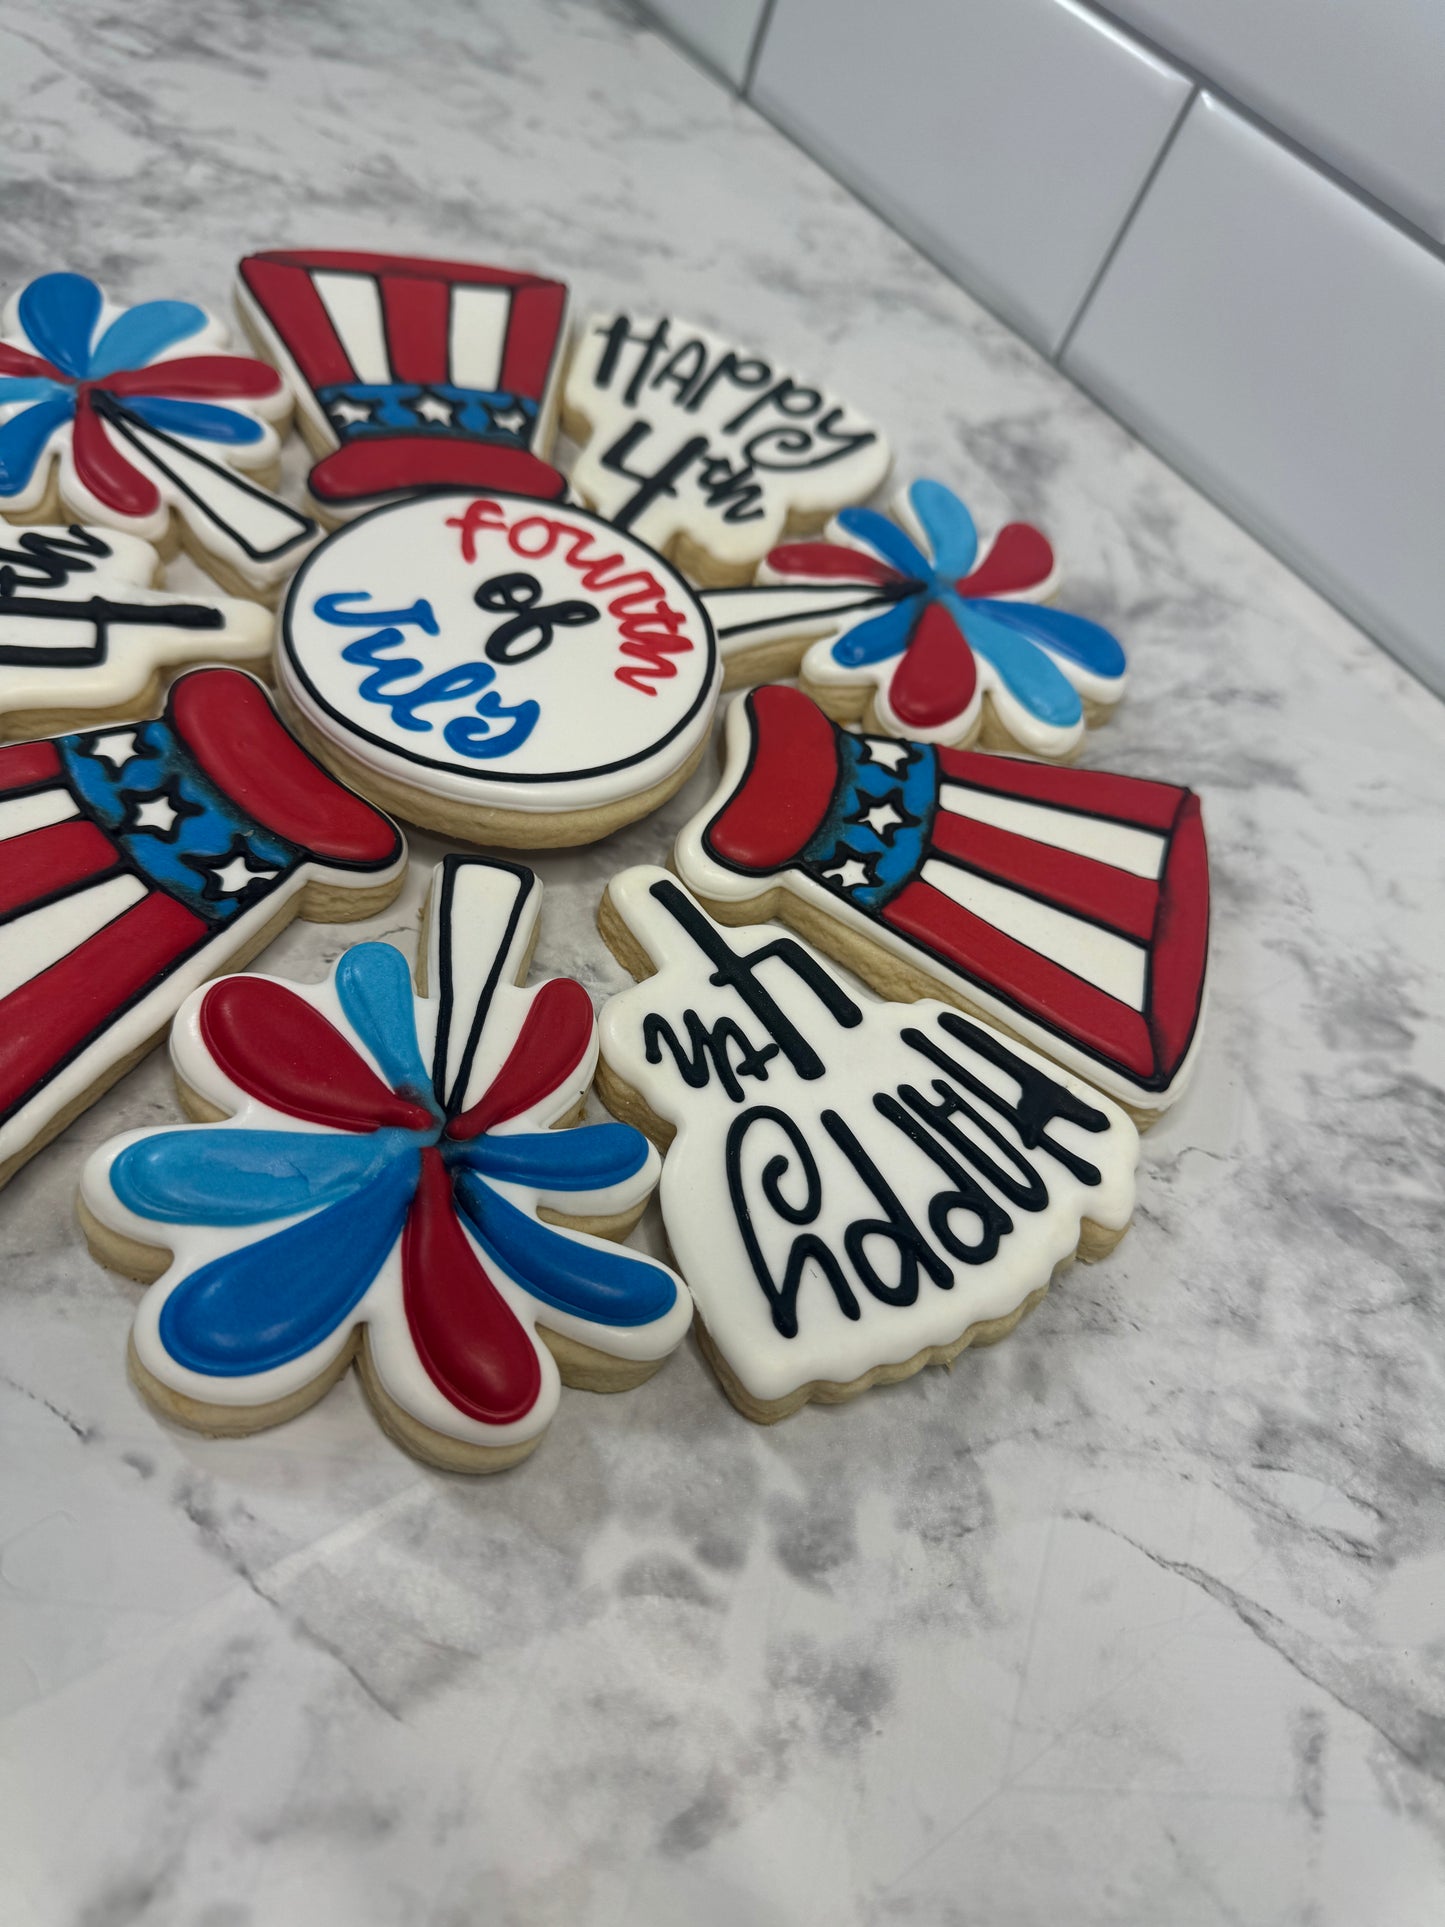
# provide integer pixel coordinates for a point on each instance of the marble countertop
(1136, 1618)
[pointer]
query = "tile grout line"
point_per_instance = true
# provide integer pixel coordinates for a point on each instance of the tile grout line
(755, 51)
(1056, 355)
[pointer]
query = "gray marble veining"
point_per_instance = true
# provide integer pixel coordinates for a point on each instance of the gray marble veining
(1137, 1618)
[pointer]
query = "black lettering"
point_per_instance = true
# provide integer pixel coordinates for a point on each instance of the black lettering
(518, 595)
(915, 1254)
(782, 1295)
(707, 1052)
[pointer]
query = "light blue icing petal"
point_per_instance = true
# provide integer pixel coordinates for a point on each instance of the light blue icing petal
(17, 388)
(1039, 684)
(948, 526)
(374, 985)
(24, 436)
(1087, 643)
(880, 636)
(891, 544)
(58, 313)
(607, 1285)
(143, 332)
(208, 1176)
(201, 419)
(588, 1159)
(269, 1302)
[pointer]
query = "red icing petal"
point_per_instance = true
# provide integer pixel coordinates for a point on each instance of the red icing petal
(474, 1349)
(829, 561)
(16, 361)
(197, 378)
(551, 1044)
(1020, 559)
(936, 679)
(101, 467)
(276, 1046)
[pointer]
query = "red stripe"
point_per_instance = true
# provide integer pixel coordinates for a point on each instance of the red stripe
(1076, 883)
(1035, 984)
(789, 783)
(418, 313)
(1182, 944)
(42, 863)
(366, 468)
(532, 330)
(1021, 559)
(16, 361)
(287, 297)
(829, 562)
(1088, 792)
(245, 748)
(104, 470)
(198, 378)
(24, 765)
(466, 1335)
(550, 1045)
(936, 678)
(47, 1020)
(422, 266)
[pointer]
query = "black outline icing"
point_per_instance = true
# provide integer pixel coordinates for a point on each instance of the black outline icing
(441, 909)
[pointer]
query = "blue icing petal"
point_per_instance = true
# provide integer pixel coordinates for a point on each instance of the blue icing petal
(24, 436)
(143, 332)
(880, 636)
(58, 313)
(888, 539)
(200, 419)
(209, 1176)
(1077, 639)
(374, 985)
(269, 1302)
(1029, 675)
(18, 388)
(605, 1284)
(948, 526)
(588, 1159)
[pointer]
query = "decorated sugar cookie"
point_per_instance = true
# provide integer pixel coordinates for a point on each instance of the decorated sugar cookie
(412, 373)
(133, 418)
(390, 1183)
(1069, 906)
(85, 636)
(708, 451)
(504, 670)
(853, 1189)
(916, 629)
(136, 862)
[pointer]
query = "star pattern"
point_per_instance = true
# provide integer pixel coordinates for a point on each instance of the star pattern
(116, 747)
(431, 408)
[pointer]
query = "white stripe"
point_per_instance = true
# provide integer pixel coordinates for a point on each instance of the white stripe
(21, 814)
(33, 942)
(465, 952)
(748, 614)
(224, 502)
(1100, 957)
(1120, 845)
(478, 335)
(353, 302)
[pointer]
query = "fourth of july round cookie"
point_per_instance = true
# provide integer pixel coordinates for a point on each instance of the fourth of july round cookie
(504, 670)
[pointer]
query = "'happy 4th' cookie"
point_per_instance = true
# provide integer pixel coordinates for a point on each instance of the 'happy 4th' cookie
(915, 629)
(504, 670)
(852, 1189)
(133, 418)
(85, 636)
(1069, 906)
(383, 1177)
(707, 451)
(137, 862)
(411, 373)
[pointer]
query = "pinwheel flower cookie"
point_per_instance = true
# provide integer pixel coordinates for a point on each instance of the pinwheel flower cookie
(134, 418)
(916, 629)
(385, 1178)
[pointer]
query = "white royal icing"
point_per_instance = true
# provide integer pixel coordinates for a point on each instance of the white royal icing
(498, 651)
(851, 1181)
(691, 436)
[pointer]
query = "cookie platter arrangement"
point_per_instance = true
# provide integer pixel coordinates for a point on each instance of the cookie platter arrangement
(908, 986)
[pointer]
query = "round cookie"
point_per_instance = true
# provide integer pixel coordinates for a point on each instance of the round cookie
(504, 670)
(388, 1177)
(105, 412)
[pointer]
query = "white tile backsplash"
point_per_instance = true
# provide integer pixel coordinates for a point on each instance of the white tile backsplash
(1359, 82)
(1009, 141)
(1285, 347)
